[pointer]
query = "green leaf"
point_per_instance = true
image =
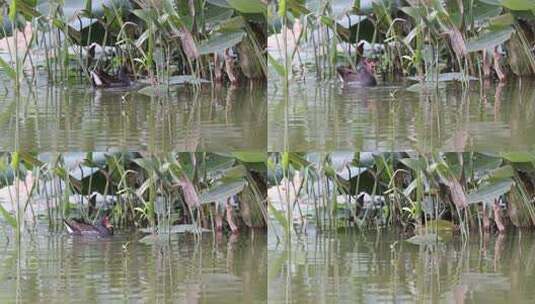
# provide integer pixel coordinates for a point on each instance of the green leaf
(248, 6)
(220, 42)
(216, 15)
(490, 192)
(502, 21)
(13, 10)
(519, 157)
(222, 192)
(8, 69)
(491, 2)
(220, 3)
(10, 219)
(250, 157)
(416, 164)
(279, 68)
(501, 173)
(489, 40)
(519, 5)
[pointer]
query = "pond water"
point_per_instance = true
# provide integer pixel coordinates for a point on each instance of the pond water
(58, 268)
(84, 119)
(351, 267)
(324, 116)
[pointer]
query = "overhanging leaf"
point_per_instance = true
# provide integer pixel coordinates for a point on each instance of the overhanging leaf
(222, 192)
(220, 42)
(490, 192)
(250, 157)
(519, 157)
(489, 40)
(248, 6)
(519, 5)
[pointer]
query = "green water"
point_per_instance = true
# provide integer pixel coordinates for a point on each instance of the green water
(83, 119)
(58, 268)
(323, 116)
(382, 268)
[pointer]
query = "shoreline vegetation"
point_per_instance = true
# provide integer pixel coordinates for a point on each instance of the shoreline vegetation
(158, 43)
(427, 197)
(162, 196)
(426, 41)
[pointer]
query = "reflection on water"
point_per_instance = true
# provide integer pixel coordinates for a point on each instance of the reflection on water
(381, 268)
(64, 269)
(323, 116)
(83, 119)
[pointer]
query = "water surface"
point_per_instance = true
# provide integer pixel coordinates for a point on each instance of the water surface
(323, 116)
(58, 268)
(78, 118)
(352, 267)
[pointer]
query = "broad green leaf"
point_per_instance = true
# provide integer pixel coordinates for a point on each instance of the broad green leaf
(416, 164)
(519, 5)
(231, 24)
(215, 15)
(483, 164)
(234, 173)
(501, 173)
(502, 21)
(489, 40)
(248, 6)
(13, 10)
(220, 3)
(519, 157)
(490, 192)
(222, 192)
(491, 2)
(220, 42)
(282, 8)
(250, 157)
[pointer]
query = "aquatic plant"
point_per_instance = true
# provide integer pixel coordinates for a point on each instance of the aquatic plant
(455, 191)
(160, 41)
(422, 38)
(167, 193)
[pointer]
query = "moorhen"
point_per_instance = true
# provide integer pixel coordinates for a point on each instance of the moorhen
(101, 79)
(77, 227)
(362, 77)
